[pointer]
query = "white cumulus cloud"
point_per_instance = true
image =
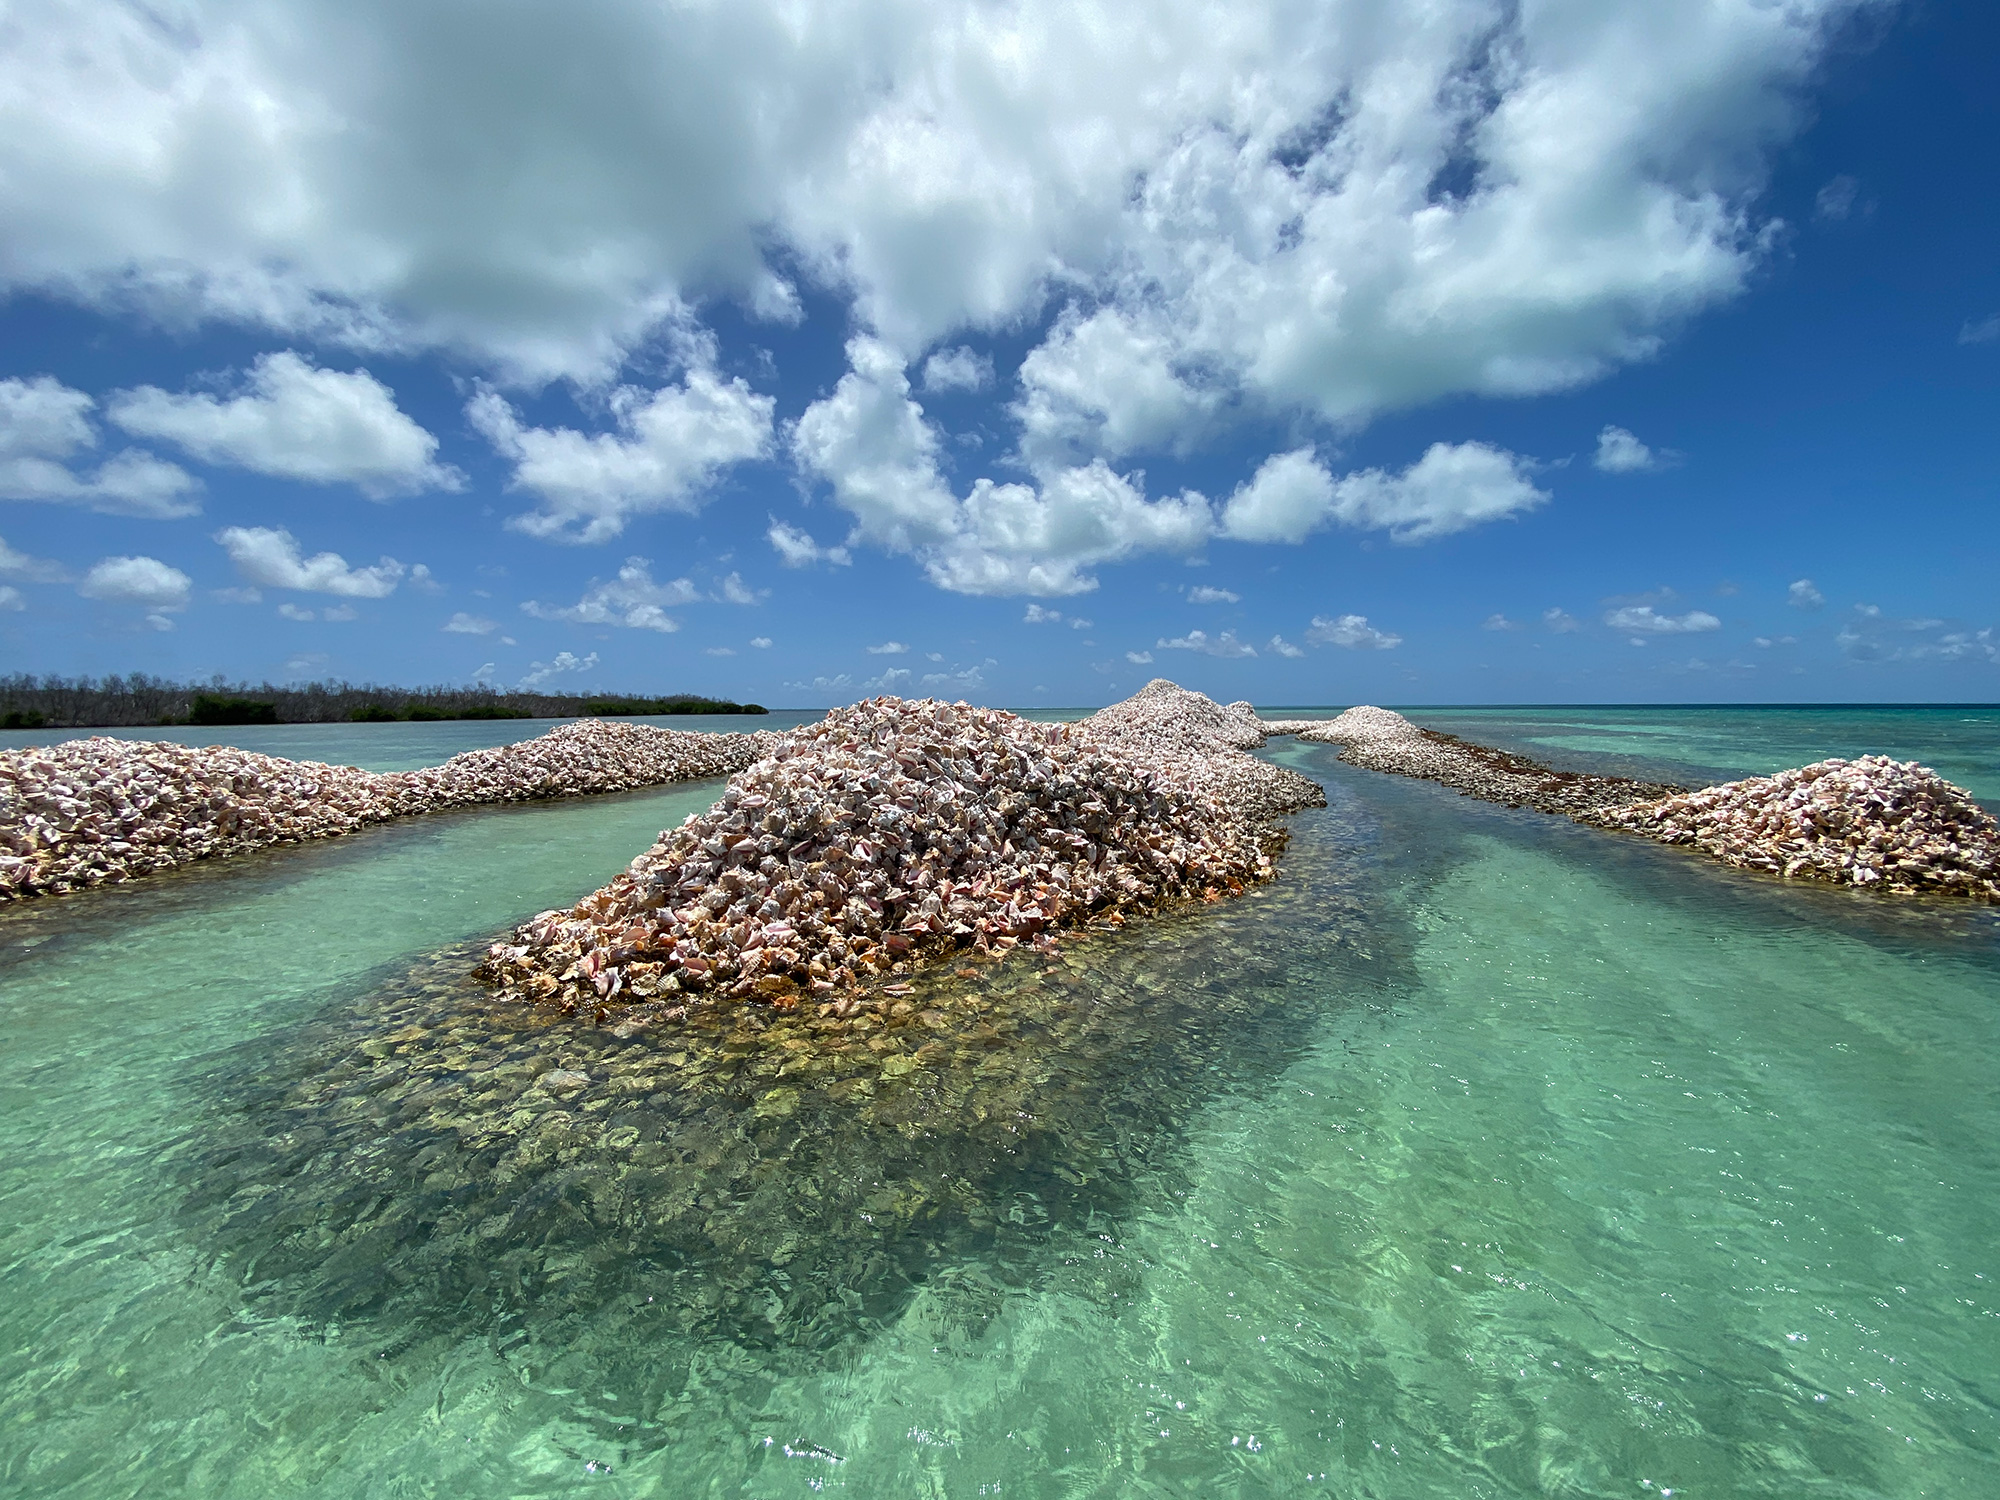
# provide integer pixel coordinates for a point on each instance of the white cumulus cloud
(1452, 487)
(832, 684)
(33, 569)
(870, 441)
(137, 580)
(43, 418)
(1225, 644)
(1289, 497)
(270, 557)
(873, 445)
(292, 420)
(1619, 452)
(1873, 636)
(669, 448)
(1281, 647)
(733, 590)
(1351, 631)
(462, 623)
(1203, 593)
(336, 613)
(1643, 619)
(964, 679)
(1837, 199)
(45, 426)
(1107, 385)
(888, 648)
(542, 673)
(797, 549)
(959, 369)
(632, 600)
(1339, 207)
(1802, 594)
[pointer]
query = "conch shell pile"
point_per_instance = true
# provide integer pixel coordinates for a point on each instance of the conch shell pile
(1876, 822)
(90, 811)
(899, 831)
(1893, 825)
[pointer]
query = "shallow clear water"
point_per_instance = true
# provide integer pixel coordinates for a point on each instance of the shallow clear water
(1482, 1154)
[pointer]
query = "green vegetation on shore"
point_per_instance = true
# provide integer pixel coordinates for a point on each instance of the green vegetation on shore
(30, 702)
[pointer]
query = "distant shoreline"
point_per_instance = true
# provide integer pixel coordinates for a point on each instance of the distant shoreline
(172, 705)
(1272, 708)
(140, 702)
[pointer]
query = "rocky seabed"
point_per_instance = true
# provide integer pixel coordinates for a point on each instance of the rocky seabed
(895, 833)
(92, 811)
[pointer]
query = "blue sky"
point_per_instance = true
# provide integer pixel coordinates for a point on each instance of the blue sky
(1308, 353)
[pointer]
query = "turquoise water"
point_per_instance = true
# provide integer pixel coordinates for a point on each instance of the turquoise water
(1480, 1155)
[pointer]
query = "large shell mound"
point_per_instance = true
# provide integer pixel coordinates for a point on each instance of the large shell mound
(1380, 739)
(1194, 743)
(1166, 717)
(587, 757)
(890, 832)
(94, 811)
(1874, 821)
(88, 811)
(1364, 724)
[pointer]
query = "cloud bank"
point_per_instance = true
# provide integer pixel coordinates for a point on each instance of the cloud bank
(669, 447)
(45, 427)
(271, 557)
(1291, 215)
(294, 421)
(1343, 206)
